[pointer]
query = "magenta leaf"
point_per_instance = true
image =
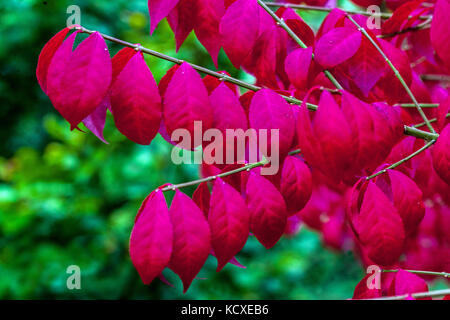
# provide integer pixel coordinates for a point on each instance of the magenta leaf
(268, 210)
(181, 110)
(191, 238)
(238, 32)
(135, 102)
(337, 46)
(158, 10)
(151, 238)
(229, 220)
(46, 55)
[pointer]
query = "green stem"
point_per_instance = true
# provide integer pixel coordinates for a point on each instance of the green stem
(384, 15)
(418, 295)
(292, 34)
(431, 121)
(422, 105)
(395, 165)
(396, 72)
(429, 273)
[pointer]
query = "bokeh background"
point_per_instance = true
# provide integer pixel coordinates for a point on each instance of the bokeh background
(66, 198)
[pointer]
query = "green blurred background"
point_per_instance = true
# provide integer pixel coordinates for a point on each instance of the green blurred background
(68, 199)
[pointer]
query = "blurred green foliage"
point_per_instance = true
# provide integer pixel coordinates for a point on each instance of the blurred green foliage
(66, 198)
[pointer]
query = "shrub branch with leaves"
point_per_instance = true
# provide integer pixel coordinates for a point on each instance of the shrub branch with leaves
(363, 121)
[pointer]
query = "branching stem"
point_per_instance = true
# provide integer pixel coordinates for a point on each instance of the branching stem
(396, 72)
(395, 165)
(409, 130)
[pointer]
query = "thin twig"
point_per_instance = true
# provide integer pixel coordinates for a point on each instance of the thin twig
(418, 295)
(396, 72)
(221, 76)
(431, 121)
(429, 273)
(422, 105)
(424, 25)
(435, 77)
(292, 34)
(384, 15)
(247, 167)
(395, 165)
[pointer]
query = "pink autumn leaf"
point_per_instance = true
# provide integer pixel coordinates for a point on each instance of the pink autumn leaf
(407, 199)
(88, 71)
(158, 10)
(120, 60)
(229, 220)
(267, 208)
(268, 110)
(380, 227)
(191, 238)
(151, 238)
(202, 197)
(337, 46)
(296, 184)
(182, 20)
(95, 122)
(135, 102)
(297, 67)
(46, 55)
(209, 15)
(441, 155)
(237, 32)
(407, 283)
(57, 70)
(440, 37)
(181, 110)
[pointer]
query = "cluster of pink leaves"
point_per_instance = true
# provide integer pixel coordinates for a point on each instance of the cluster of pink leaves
(397, 220)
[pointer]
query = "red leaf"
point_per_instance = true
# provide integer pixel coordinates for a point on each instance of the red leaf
(268, 210)
(238, 32)
(46, 55)
(270, 111)
(228, 114)
(191, 238)
(120, 60)
(296, 184)
(186, 100)
(151, 238)
(229, 221)
(440, 37)
(87, 71)
(337, 46)
(407, 199)
(212, 83)
(209, 14)
(441, 155)
(380, 227)
(182, 20)
(407, 283)
(135, 102)
(202, 197)
(297, 67)
(158, 10)
(366, 67)
(95, 122)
